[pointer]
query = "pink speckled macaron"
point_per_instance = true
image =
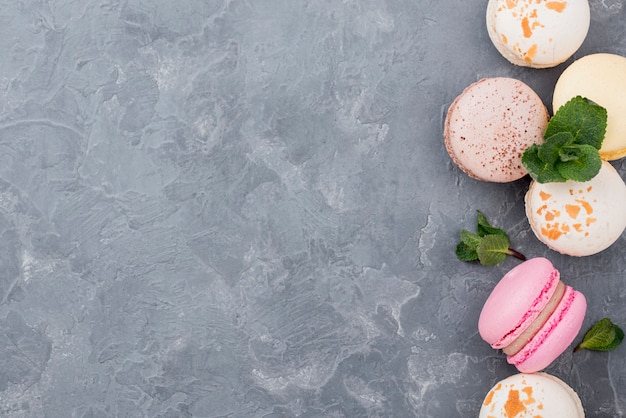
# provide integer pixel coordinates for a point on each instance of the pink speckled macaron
(490, 124)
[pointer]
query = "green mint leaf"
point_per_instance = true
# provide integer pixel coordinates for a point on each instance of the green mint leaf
(484, 228)
(582, 163)
(465, 253)
(539, 170)
(466, 249)
(470, 239)
(583, 119)
(619, 337)
(490, 245)
(551, 151)
(571, 152)
(573, 137)
(492, 249)
(604, 335)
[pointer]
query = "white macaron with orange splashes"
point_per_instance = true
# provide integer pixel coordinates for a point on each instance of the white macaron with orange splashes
(530, 396)
(538, 33)
(579, 218)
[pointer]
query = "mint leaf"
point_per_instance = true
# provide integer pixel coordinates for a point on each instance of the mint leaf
(465, 253)
(484, 228)
(579, 163)
(573, 137)
(470, 239)
(466, 249)
(551, 151)
(571, 152)
(583, 119)
(492, 249)
(543, 172)
(490, 245)
(604, 335)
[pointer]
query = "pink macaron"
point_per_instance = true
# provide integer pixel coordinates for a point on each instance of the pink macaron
(532, 315)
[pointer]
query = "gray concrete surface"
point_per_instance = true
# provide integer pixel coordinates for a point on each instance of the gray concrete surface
(243, 208)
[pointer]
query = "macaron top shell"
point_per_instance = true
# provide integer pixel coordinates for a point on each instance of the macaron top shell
(530, 396)
(578, 218)
(539, 34)
(602, 79)
(490, 124)
(516, 301)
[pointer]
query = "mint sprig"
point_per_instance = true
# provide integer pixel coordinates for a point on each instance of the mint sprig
(573, 138)
(489, 245)
(604, 335)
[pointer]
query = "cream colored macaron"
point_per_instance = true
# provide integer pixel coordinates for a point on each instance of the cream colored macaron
(602, 79)
(530, 396)
(537, 33)
(579, 218)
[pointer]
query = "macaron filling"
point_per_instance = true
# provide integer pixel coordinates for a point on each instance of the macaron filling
(521, 341)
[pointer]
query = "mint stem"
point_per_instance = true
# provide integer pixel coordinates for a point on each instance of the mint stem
(517, 254)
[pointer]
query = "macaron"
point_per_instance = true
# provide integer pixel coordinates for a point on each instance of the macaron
(530, 396)
(532, 315)
(538, 34)
(602, 79)
(578, 218)
(490, 124)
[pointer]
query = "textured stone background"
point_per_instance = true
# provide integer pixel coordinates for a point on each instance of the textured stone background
(243, 208)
